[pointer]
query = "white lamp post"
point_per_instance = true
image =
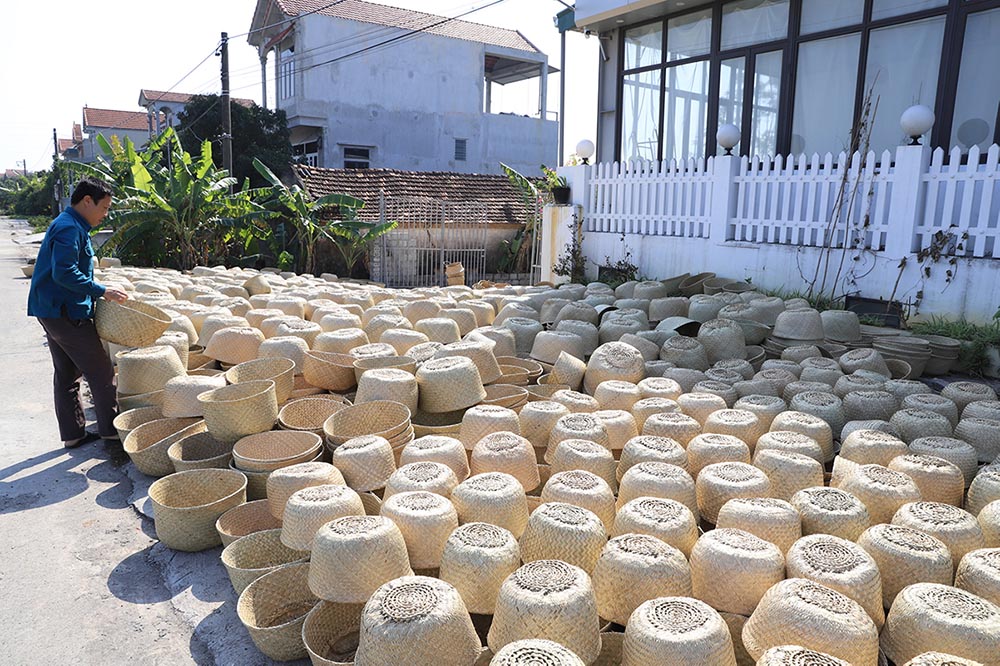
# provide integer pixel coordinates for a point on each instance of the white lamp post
(585, 149)
(916, 121)
(728, 136)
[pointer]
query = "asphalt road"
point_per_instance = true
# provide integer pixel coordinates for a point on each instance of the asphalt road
(82, 578)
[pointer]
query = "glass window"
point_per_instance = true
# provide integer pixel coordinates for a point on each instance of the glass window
(640, 116)
(766, 95)
(825, 84)
(732, 78)
(686, 110)
(977, 104)
(747, 22)
(819, 15)
(644, 46)
(886, 8)
(903, 63)
(689, 35)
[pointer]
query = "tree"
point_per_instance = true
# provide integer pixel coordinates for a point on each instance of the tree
(28, 195)
(258, 133)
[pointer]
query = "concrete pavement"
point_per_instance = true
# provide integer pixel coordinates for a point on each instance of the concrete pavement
(82, 578)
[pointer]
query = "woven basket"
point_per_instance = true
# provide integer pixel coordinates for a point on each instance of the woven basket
(330, 633)
(241, 409)
(788, 471)
(732, 569)
(477, 558)
(495, 498)
(252, 556)
(634, 568)
(965, 393)
(199, 451)
(509, 453)
(930, 616)
(984, 489)
(676, 630)
(953, 526)
(186, 506)
(404, 363)
(552, 600)
(426, 520)
(989, 520)
(291, 478)
(430, 476)
(147, 445)
(383, 418)
(583, 489)
(693, 284)
(792, 655)
(127, 421)
(666, 519)
(279, 370)
(770, 519)
(147, 369)
(271, 450)
(309, 508)
(273, 608)
(437, 448)
(720, 482)
(982, 434)
(245, 519)
(831, 511)
(308, 414)
(882, 490)
(366, 462)
(561, 531)
(329, 371)
(801, 612)
(872, 447)
(937, 479)
(582, 454)
(354, 555)
(810, 426)
(130, 324)
(979, 573)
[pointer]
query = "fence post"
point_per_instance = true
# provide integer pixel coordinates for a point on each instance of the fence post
(906, 209)
(723, 202)
(578, 179)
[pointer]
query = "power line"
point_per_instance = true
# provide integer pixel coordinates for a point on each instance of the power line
(190, 72)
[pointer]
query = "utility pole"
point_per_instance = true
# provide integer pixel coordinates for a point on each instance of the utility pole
(24, 168)
(227, 119)
(57, 174)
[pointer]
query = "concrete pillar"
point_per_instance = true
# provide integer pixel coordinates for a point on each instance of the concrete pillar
(277, 78)
(489, 95)
(543, 90)
(723, 203)
(908, 194)
(578, 178)
(558, 224)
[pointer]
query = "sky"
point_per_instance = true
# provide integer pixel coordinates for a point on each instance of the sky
(101, 53)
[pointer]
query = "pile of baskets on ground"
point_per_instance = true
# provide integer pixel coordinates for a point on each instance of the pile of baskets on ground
(675, 472)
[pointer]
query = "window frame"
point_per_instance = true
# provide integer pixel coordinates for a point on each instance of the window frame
(956, 13)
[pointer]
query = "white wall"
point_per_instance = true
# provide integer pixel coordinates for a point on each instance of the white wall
(410, 101)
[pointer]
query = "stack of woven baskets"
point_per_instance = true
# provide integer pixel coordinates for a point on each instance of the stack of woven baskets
(566, 475)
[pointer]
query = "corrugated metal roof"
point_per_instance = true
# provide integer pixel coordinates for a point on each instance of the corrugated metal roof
(395, 17)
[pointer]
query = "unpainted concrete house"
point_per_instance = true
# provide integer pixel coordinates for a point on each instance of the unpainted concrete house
(370, 86)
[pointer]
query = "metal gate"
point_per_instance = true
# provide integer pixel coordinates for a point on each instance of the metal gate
(430, 234)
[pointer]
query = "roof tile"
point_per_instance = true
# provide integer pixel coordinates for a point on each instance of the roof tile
(113, 119)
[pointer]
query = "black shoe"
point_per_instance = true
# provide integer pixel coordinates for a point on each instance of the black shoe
(86, 439)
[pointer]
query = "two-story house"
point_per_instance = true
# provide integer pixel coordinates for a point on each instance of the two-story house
(366, 85)
(164, 107)
(134, 125)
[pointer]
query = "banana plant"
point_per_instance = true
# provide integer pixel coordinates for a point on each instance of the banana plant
(515, 248)
(349, 235)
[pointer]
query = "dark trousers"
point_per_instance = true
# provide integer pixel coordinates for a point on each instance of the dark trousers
(77, 352)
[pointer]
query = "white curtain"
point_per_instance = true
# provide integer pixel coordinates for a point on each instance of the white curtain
(825, 86)
(977, 104)
(746, 22)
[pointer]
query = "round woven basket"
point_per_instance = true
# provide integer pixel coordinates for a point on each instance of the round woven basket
(279, 370)
(147, 445)
(130, 324)
(915, 423)
(700, 405)
(677, 630)
(180, 394)
(634, 568)
(337, 340)
(906, 556)
(199, 451)
(720, 482)
(841, 565)
(802, 612)
(329, 371)
(937, 479)
(383, 418)
(792, 655)
(953, 526)
(418, 620)
(147, 369)
(979, 574)
(354, 555)
(704, 450)
(982, 434)
(576, 402)
(449, 384)
(186, 506)
(984, 489)
(245, 519)
(437, 448)
(273, 609)
(989, 520)
(679, 427)
(308, 414)
(965, 393)
(495, 498)
(425, 520)
(577, 426)
(650, 448)
(959, 453)
(561, 531)
(732, 569)
(831, 511)
(685, 352)
(722, 339)
(235, 411)
(668, 520)
(532, 651)
(234, 344)
(872, 447)
(308, 509)
(483, 420)
(430, 476)
(268, 451)
(282, 483)
(882, 490)
(330, 633)
(252, 556)
(929, 616)
(788, 471)
(614, 360)
(477, 558)
(548, 599)
(127, 421)
(509, 453)
(366, 462)
(583, 489)
(582, 454)
(770, 519)
(810, 426)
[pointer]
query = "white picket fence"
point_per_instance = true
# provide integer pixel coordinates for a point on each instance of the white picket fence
(895, 202)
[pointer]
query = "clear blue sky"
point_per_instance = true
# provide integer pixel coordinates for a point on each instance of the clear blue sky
(62, 55)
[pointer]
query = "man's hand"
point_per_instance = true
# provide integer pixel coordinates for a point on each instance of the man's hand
(116, 295)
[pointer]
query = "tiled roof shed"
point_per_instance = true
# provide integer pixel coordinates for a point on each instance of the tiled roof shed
(503, 201)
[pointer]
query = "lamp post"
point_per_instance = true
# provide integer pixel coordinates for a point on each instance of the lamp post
(585, 149)
(916, 121)
(728, 136)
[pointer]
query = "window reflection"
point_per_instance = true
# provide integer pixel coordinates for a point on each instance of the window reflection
(641, 116)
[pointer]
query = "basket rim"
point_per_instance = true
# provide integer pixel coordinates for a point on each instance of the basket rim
(256, 535)
(230, 374)
(276, 627)
(178, 476)
(265, 385)
(288, 434)
(260, 504)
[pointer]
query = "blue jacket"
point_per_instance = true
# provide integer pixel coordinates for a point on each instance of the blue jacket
(64, 271)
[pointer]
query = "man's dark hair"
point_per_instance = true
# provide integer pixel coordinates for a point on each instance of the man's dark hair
(90, 187)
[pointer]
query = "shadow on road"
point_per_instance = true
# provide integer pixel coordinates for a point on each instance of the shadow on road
(51, 484)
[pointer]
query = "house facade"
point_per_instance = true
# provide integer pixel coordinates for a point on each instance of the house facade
(163, 107)
(791, 74)
(370, 86)
(109, 123)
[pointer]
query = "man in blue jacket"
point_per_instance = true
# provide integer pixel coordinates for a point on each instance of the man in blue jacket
(62, 297)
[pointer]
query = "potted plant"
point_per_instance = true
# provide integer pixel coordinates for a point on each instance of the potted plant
(557, 185)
